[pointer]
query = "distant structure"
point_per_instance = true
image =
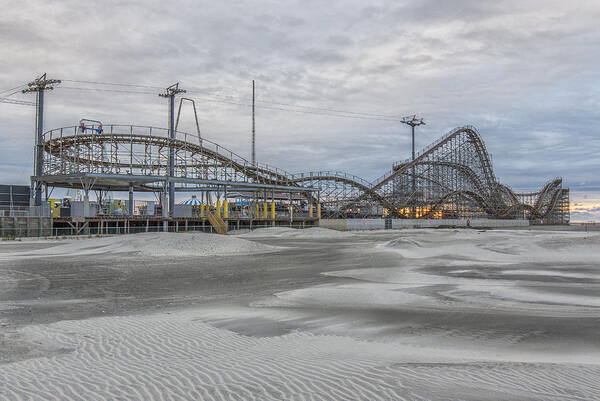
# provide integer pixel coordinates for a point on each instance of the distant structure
(452, 178)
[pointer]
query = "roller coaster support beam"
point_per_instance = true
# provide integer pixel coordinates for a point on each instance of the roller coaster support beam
(39, 85)
(170, 93)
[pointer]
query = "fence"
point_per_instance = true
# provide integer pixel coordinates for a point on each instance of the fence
(25, 211)
(68, 231)
(25, 226)
(381, 224)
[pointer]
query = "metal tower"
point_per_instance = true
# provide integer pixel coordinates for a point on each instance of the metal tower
(413, 121)
(253, 129)
(170, 93)
(39, 85)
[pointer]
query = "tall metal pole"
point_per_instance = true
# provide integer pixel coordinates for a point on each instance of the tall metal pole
(253, 129)
(413, 142)
(39, 85)
(170, 93)
(171, 154)
(39, 148)
(414, 182)
(413, 121)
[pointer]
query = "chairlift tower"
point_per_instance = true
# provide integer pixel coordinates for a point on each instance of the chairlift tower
(38, 86)
(170, 93)
(413, 121)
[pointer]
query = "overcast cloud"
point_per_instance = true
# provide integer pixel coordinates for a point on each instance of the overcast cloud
(525, 73)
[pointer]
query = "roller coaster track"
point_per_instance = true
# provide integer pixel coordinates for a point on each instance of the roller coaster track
(351, 181)
(486, 193)
(473, 135)
(69, 148)
(504, 213)
(458, 166)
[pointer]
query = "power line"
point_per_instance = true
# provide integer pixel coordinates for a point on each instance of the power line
(14, 101)
(314, 111)
(107, 90)
(288, 107)
(13, 93)
(12, 89)
(310, 107)
(321, 112)
(331, 110)
(112, 84)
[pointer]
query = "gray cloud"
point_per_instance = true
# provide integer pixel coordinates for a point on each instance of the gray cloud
(524, 73)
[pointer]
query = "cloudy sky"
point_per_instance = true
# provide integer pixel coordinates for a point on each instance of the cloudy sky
(525, 73)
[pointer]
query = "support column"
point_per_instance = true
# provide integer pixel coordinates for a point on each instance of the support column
(225, 204)
(86, 203)
(39, 149)
(171, 154)
(164, 214)
(130, 211)
(291, 209)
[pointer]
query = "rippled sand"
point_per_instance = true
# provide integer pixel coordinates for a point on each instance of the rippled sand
(405, 315)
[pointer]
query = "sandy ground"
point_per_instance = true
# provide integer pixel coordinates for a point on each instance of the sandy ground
(308, 315)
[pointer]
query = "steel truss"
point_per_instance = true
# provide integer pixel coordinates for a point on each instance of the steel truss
(453, 177)
(142, 152)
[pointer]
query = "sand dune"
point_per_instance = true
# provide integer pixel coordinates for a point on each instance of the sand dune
(507, 270)
(151, 244)
(501, 246)
(178, 356)
(420, 315)
(307, 233)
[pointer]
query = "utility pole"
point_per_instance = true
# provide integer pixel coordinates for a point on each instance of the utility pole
(39, 85)
(413, 121)
(253, 129)
(170, 93)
